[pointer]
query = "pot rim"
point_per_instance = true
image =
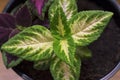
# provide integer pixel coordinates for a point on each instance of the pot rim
(115, 7)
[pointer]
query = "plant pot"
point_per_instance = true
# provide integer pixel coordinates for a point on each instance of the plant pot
(105, 50)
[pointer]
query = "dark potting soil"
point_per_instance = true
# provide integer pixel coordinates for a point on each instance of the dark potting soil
(105, 53)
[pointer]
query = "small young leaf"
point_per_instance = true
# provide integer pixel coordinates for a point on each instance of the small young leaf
(65, 50)
(87, 26)
(46, 7)
(10, 60)
(59, 26)
(62, 71)
(33, 44)
(42, 65)
(23, 17)
(83, 52)
(69, 7)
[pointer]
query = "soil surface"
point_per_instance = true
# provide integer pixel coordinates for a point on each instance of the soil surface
(105, 53)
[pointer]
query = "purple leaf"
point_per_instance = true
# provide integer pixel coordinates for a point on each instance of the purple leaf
(39, 5)
(13, 33)
(10, 58)
(4, 33)
(7, 21)
(23, 17)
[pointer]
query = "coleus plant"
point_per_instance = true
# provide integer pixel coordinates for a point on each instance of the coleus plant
(61, 47)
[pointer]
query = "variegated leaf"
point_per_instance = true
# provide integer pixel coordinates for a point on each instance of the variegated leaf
(69, 7)
(59, 26)
(34, 43)
(87, 26)
(52, 11)
(65, 50)
(83, 52)
(62, 71)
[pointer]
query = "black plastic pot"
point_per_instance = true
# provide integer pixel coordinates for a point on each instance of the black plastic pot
(110, 5)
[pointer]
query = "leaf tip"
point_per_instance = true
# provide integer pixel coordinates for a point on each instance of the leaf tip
(3, 47)
(110, 13)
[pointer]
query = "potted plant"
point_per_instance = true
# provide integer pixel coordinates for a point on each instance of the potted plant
(56, 44)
